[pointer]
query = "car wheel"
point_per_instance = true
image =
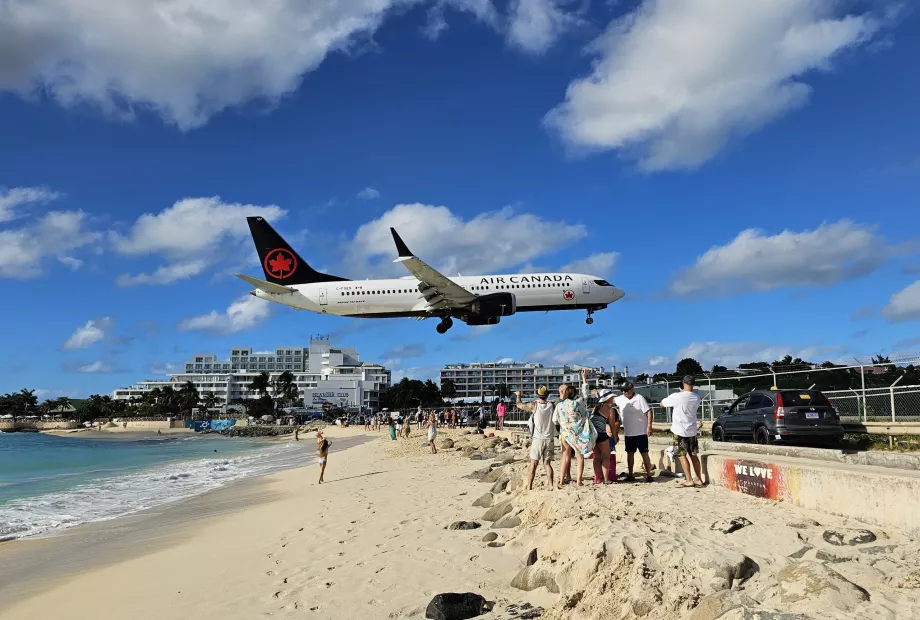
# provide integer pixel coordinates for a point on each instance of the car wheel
(761, 436)
(718, 434)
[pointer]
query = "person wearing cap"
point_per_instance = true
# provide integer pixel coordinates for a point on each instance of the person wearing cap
(603, 418)
(542, 449)
(686, 403)
(637, 426)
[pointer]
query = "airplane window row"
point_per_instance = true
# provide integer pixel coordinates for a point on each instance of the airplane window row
(473, 288)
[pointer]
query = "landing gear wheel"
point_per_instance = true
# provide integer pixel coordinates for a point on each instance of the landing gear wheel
(445, 324)
(589, 321)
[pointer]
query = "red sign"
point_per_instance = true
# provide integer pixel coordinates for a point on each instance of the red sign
(280, 263)
(568, 295)
(753, 478)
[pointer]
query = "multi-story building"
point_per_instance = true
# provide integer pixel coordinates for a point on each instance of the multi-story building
(322, 373)
(481, 381)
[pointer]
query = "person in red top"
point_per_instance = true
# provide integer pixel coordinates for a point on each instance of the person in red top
(500, 412)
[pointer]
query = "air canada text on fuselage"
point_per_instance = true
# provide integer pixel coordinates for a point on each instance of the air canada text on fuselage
(523, 279)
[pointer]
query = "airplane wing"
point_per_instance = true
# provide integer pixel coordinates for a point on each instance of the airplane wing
(440, 292)
(268, 287)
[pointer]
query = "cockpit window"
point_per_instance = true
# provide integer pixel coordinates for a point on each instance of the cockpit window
(602, 283)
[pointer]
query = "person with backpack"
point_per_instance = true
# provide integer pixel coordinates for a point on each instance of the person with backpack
(542, 449)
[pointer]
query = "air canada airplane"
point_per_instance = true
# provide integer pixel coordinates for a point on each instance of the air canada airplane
(425, 293)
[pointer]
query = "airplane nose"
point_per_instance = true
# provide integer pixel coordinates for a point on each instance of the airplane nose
(618, 295)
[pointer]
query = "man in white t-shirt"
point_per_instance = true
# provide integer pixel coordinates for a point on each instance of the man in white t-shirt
(637, 427)
(541, 444)
(686, 403)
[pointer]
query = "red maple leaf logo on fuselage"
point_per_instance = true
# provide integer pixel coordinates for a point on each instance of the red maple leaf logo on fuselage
(280, 263)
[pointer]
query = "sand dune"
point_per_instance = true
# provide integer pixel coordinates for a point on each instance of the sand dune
(371, 544)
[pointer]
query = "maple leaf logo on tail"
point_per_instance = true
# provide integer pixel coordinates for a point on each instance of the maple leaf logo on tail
(280, 263)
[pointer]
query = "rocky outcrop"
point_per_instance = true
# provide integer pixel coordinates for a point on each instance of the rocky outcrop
(490, 537)
(484, 501)
(464, 525)
(848, 538)
(507, 522)
(727, 526)
(500, 486)
(446, 444)
(815, 582)
(498, 511)
(532, 577)
(494, 476)
(452, 606)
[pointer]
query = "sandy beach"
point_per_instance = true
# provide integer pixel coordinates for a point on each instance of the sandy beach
(371, 543)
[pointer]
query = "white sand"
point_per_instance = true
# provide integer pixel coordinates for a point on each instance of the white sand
(370, 544)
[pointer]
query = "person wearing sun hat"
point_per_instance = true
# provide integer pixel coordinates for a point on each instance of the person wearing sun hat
(606, 421)
(542, 449)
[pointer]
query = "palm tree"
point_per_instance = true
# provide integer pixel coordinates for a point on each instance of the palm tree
(260, 384)
(286, 389)
(188, 397)
(62, 404)
(211, 401)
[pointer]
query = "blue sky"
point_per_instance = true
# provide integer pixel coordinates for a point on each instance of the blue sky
(748, 175)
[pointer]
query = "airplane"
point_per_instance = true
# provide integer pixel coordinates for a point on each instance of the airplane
(425, 293)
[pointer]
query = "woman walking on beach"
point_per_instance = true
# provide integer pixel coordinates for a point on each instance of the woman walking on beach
(432, 427)
(576, 431)
(322, 452)
(392, 429)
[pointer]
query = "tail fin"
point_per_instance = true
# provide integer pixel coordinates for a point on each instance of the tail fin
(281, 264)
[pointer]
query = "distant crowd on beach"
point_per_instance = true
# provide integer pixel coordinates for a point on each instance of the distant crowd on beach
(582, 434)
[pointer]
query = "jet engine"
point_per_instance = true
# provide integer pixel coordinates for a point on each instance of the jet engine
(494, 306)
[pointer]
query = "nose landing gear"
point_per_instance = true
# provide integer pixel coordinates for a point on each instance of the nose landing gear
(590, 319)
(445, 324)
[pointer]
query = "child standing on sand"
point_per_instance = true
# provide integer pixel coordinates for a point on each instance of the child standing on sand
(322, 451)
(392, 429)
(432, 432)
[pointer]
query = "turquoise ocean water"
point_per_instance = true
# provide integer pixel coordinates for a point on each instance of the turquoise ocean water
(52, 482)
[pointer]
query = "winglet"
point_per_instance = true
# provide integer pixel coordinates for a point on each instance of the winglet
(401, 246)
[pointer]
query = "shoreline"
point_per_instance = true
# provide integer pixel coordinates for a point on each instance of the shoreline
(373, 543)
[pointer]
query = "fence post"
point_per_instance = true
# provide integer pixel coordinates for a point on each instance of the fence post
(892, 403)
(862, 374)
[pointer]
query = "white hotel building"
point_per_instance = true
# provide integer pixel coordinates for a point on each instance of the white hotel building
(478, 381)
(322, 373)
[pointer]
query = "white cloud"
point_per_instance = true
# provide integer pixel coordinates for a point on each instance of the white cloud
(88, 367)
(731, 354)
(404, 351)
(18, 196)
(676, 79)
(56, 234)
(453, 244)
(191, 234)
(829, 254)
(471, 333)
(161, 368)
(244, 313)
(185, 60)
(482, 10)
(904, 305)
(368, 193)
(69, 261)
(536, 24)
(89, 334)
(657, 361)
(166, 274)
(560, 354)
(599, 264)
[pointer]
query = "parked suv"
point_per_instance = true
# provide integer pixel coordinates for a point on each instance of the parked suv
(764, 416)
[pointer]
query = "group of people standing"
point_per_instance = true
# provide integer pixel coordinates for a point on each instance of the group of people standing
(595, 434)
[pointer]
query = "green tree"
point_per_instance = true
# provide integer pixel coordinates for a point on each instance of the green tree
(642, 378)
(718, 369)
(188, 398)
(448, 389)
(688, 366)
(286, 390)
(211, 401)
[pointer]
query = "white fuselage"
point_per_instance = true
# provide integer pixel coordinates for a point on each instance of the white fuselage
(401, 297)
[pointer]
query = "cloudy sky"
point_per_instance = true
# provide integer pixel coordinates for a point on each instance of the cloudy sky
(747, 172)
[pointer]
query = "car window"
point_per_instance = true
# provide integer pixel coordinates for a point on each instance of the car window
(739, 404)
(798, 398)
(755, 401)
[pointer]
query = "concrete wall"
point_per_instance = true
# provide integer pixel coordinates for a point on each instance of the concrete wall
(145, 425)
(7, 425)
(867, 494)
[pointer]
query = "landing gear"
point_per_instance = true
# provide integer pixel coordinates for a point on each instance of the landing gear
(445, 324)
(590, 319)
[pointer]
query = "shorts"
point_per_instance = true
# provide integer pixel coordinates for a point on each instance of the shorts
(602, 437)
(637, 442)
(542, 450)
(684, 446)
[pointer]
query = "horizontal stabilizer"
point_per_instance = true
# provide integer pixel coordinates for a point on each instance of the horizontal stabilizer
(268, 287)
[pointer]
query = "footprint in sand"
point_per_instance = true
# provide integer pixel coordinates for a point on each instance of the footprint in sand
(329, 584)
(270, 573)
(279, 594)
(270, 556)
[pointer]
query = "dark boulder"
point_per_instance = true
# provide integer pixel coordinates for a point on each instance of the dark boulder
(464, 525)
(452, 606)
